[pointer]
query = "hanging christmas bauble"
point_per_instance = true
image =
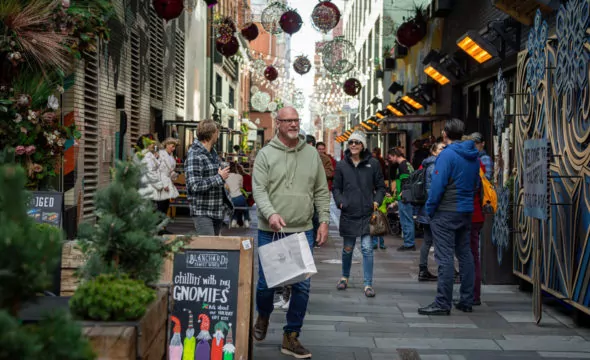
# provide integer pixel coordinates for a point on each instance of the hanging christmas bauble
(352, 87)
(331, 121)
(260, 101)
(271, 16)
(412, 31)
(273, 106)
(271, 73)
(302, 65)
(258, 66)
(250, 31)
(168, 9)
(298, 99)
(254, 90)
(228, 49)
(211, 3)
(290, 22)
(388, 27)
(325, 16)
(339, 56)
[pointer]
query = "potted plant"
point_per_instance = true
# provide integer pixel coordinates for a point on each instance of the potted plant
(378, 69)
(413, 30)
(29, 253)
(124, 260)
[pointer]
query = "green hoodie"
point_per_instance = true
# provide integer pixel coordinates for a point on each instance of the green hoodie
(289, 181)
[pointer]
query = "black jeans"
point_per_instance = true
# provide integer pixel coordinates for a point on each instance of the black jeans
(316, 225)
(163, 206)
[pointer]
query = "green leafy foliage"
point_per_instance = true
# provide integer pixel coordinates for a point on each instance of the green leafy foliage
(112, 298)
(124, 239)
(56, 337)
(29, 252)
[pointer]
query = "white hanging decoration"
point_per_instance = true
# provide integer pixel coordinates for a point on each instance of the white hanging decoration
(331, 121)
(260, 101)
(254, 90)
(272, 106)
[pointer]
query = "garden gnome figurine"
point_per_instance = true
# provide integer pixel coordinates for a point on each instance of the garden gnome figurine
(229, 349)
(203, 347)
(217, 342)
(189, 341)
(175, 348)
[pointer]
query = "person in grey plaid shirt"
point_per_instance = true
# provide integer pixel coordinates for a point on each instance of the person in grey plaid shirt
(205, 181)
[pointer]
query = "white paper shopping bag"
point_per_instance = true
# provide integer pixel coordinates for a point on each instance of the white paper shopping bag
(287, 260)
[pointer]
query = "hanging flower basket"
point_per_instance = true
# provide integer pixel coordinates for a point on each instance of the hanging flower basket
(413, 31)
(168, 9)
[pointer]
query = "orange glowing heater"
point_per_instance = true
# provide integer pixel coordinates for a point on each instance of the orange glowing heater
(413, 103)
(477, 47)
(436, 75)
(394, 110)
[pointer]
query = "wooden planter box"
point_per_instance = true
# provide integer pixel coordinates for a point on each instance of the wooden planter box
(144, 339)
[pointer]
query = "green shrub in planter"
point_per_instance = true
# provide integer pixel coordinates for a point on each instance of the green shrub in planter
(111, 298)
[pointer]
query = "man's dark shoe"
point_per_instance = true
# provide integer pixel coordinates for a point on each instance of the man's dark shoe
(292, 346)
(260, 328)
(407, 248)
(433, 309)
(463, 307)
(425, 275)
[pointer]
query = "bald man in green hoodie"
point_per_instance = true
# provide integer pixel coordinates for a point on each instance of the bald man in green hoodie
(288, 180)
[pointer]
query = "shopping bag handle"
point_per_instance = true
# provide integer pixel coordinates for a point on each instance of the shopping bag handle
(278, 235)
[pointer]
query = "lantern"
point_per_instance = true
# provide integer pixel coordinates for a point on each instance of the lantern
(325, 16)
(229, 48)
(290, 22)
(168, 9)
(352, 87)
(250, 31)
(271, 73)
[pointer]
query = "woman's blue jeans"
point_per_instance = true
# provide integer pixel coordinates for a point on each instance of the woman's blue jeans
(406, 218)
(366, 250)
(299, 291)
(378, 240)
(240, 201)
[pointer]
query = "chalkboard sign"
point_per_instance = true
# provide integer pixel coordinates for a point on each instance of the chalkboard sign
(47, 207)
(211, 282)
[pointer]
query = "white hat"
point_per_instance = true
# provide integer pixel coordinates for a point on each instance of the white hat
(359, 136)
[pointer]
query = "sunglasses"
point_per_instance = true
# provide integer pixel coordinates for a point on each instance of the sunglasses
(354, 142)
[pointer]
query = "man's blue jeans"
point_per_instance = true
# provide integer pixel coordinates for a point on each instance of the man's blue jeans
(366, 250)
(406, 212)
(378, 240)
(452, 234)
(299, 291)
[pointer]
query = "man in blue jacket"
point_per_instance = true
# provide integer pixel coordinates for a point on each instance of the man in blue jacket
(450, 206)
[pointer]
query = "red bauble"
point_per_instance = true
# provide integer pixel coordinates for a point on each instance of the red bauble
(411, 32)
(352, 87)
(290, 22)
(168, 9)
(250, 32)
(325, 16)
(228, 49)
(271, 73)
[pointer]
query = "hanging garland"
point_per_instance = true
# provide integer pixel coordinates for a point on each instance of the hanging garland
(290, 22)
(271, 16)
(325, 16)
(352, 87)
(339, 56)
(301, 65)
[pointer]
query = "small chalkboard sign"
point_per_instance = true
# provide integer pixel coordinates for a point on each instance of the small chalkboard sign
(211, 290)
(47, 207)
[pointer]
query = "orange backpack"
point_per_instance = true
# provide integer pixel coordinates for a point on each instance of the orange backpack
(488, 194)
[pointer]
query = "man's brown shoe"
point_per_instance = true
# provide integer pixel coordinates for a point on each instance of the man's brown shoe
(260, 328)
(292, 346)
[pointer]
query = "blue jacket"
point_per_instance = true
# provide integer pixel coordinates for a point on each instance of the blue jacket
(454, 180)
(428, 166)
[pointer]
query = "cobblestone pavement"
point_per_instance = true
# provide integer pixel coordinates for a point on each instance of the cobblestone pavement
(343, 325)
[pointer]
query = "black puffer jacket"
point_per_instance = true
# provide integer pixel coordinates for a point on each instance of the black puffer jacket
(356, 189)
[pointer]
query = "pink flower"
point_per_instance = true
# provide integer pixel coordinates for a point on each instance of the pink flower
(23, 100)
(65, 3)
(20, 150)
(30, 150)
(48, 117)
(37, 168)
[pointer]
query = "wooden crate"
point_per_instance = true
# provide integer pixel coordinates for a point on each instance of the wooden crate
(71, 260)
(145, 339)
